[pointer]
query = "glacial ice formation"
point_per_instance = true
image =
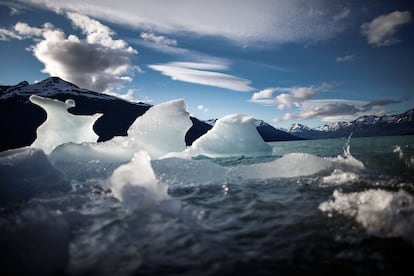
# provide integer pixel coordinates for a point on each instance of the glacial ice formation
(232, 135)
(62, 127)
(135, 184)
(159, 131)
(381, 213)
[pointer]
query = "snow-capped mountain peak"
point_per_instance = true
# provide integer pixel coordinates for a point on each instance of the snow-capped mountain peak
(57, 82)
(298, 128)
(367, 125)
(50, 87)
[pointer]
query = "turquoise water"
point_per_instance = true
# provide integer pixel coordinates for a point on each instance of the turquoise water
(321, 206)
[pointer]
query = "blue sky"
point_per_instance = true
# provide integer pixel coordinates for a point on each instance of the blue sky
(285, 61)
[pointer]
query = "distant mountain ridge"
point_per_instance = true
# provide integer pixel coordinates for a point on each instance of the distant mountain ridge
(19, 118)
(364, 126)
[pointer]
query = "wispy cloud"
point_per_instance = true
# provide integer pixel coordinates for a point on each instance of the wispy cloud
(201, 73)
(281, 21)
(346, 58)
(158, 39)
(381, 31)
(97, 62)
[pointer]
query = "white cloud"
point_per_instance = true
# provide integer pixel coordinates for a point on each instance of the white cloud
(381, 31)
(334, 110)
(27, 31)
(264, 94)
(97, 33)
(158, 39)
(6, 35)
(346, 58)
(200, 73)
(291, 95)
(97, 62)
(202, 108)
(279, 21)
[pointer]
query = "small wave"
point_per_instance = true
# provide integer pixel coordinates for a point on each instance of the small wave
(406, 154)
(340, 177)
(381, 213)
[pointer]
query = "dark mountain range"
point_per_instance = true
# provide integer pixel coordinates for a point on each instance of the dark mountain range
(19, 118)
(364, 126)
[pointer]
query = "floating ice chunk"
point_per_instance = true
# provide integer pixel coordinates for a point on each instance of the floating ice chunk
(135, 184)
(62, 127)
(232, 135)
(159, 131)
(381, 213)
(290, 165)
(26, 173)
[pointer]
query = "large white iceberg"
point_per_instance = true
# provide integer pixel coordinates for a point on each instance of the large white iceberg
(232, 135)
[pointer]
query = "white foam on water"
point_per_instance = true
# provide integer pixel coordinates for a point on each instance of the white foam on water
(381, 213)
(340, 177)
(61, 126)
(406, 154)
(232, 135)
(135, 184)
(347, 159)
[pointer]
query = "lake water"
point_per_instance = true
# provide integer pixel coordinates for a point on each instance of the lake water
(321, 206)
